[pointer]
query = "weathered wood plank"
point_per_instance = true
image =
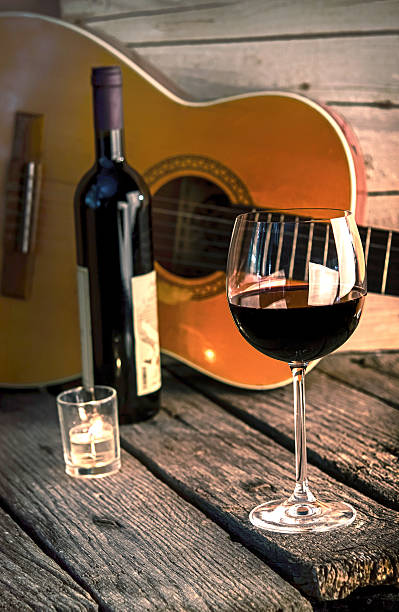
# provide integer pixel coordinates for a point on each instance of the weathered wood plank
(80, 9)
(379, 326)
(351, 70)
(156, 20)
(382, 211)
(378, 132)
(373, 373)
(132, 541)
(350, 435)
(44, 7)
(226, 467)
(355, 70)
(29, 579)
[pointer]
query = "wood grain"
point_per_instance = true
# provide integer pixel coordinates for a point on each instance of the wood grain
(133, 543)
(378, 132)
(154, 20)
(81, 9)
(379, 326)
(29, 579)
(44, 7)
(328, 70)
(225, 468)
(376, 374)
(382, 211)
(351, 436)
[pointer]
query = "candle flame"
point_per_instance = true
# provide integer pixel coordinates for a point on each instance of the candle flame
(96, 427)
(82, 414)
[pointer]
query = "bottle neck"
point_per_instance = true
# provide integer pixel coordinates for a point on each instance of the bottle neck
(109, 145)
(108, 122)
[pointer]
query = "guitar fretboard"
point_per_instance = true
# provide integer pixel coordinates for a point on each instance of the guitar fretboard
(191, 239)
(381, 252)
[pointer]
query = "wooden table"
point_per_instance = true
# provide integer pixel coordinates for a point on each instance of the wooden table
(171, 530)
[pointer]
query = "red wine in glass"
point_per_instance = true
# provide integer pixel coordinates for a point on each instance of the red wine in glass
(281, 324)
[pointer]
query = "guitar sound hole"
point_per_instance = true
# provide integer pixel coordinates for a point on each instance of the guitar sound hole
(192, 223)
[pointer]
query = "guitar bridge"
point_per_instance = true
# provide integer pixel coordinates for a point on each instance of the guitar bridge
(21, 206)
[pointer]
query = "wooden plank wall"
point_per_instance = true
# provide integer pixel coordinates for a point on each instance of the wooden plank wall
(344, 53)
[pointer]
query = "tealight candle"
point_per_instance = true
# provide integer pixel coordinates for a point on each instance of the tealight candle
(89, 429)
(92, 443)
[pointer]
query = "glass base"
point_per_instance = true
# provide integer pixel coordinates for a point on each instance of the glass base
(93, 471)
(291, 516)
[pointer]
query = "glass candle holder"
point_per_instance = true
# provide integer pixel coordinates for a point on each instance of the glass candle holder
(89, 431)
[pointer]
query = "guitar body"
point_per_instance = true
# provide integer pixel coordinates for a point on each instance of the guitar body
(203, 162)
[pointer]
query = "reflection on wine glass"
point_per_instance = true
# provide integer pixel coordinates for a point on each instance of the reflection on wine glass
(296, 283)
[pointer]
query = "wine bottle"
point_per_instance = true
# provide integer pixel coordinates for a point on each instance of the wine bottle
(116, 276)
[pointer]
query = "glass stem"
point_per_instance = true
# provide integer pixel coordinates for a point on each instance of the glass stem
(301, 492)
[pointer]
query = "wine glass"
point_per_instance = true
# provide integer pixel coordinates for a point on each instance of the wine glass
(296, 284)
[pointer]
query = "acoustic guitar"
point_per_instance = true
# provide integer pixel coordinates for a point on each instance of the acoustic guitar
(204, 163)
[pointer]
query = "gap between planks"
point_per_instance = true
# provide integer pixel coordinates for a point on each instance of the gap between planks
(28, 568)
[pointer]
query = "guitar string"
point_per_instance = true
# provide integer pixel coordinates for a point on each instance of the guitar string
(165, 225)
(159, 227)
(218, 263)
(373, 265)
(232, 209)
(214, 264)
(216, 207)
(14, 213)
(19, 214)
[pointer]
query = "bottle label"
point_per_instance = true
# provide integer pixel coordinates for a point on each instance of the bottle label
(85, 327)
(145, 323)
